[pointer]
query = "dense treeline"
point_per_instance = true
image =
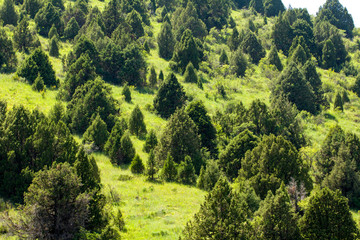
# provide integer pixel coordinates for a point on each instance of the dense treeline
(249, 159)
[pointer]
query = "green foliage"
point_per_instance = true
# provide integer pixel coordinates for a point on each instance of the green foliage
(252, 46)
(31, 7)
(126, 93)
(329, 55)
(257, 5)
(356, 87)
(161, 76)
(180, 138)
(327, 216)
(208, 177)
(273, 161)
(151, 169)
(38, 84)
(72, 28)
(38, 62)
(282, 34)
(186, 172)
(234, 40)
(300, 41)
(273, 7)
(23, 39)
(223, 215)
(293, 85)
(113, 144)
(57, 112)
(7, 53)
(126, 151)
(169, 97)
(313, 78)
(239, 63)
(136, 122)
(190, 74)
(223, 59)
(277, 217)
(150, 141)
(134, 20)
(97, 133)
(186, 51)
(303, 28)
(299, 56)
(152, 77)
(230, 158)
(54, 47)
(338, 102)
(137, 166)
(46, 17)
(112, 16)
(166, 41)
(53, 32)
(273, 58)
(169, 171)
(8, 15)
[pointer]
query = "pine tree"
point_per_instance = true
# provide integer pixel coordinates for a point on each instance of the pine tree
(126, 93)
(38, 84)
(166, 41)
(299, 56)
(57, 112)
(53, 32)
(303, 28)
(223, 59)
(282, 34)
(257, 5)
(169, 97)
(190, 74)
(329, 55)
(161, 76)
(169, 171)
(46, 17)
(112, 16)
(137, 166)
(345, 96)
(300, 41)
(234, 40)
(151, 166)
(150, 141)
(23, 39)
(126, 151)
(7, 53)
(273, 58)
(208, 177)
(273, 7)
(239, 63)
(327, 216)
(32, 7)
(97, 133)
(8, 15)
(313, 78)
(186, 172)
(152, 77)
(54, 48)
(72, 29)
(338, 102)
(146, 46)
(134, 20)
(136, 122)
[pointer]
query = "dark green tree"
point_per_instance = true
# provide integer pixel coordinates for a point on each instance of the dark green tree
(169, 97)
(150, 141)
(300, 41)
(137, 166)
(7, 53)
(72, 29)
(38, 84)
(356, 87)
(53, 32)
(338, 102)
(169, 171)
(186, 172)
(166, 41)
(252, 46)
(179, 138)
(223, 59)
(152, 77)
(32, 7)
(126, 93)
(282, 34)
(54, 47)
(57, 112)
(234, 40)
(38, 62)
(134, 20)
(151, 169)
(23, 39)
(329, 55)
(327, 216)
(313, 78)
(112, 16)
(299, 56)
(8, 15)
(126, 151)
(97, 133)
(273, 7)
(257, 5)
(136, 122)
(303, 28)
(190, 74)
(273, 58)
(161, 76)
(345, 96)
(239, 63)
(46, 17)
(208, 177)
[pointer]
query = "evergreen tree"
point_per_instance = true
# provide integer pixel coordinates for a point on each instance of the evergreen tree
(150, 141)
(313, 78)
(299, 56)
(72, 29)
(169, 97)
(345, 96)
(166, 41)
(329, 55)
(32, 7)
(169, 171)
(126, 151)
(137, 166)
(303, 28)
(53, 32)
(185, 52)
(273, 58)
(38, 84)
(257, 5)
(161, 76)
(97, 133)
(8, 15)
(300, 41)
(180, 138)
(230, 158)
(208, 177)
(7, 53)
(282, 34)
(151, 166)
(278, 220)
(223, 58)
(293, 85)
(134, 20)
(273, 7)
(190, 74)
(338, 102)
(46, 17)
(57, 112)
(327, 216)
(112, 16)
(38, 62)
(136, 122)
(234, 40)
(223, 215)
(54, 48)
(23, 39)
(239, 63)
(152, 77)
(126, 93)
(186, 172)
(252, 46)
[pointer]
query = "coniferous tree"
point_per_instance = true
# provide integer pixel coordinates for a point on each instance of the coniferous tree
(150, 141)
(327, 216)
(23, 39)
(257, 5)
(97, 133)
(38, 62)
(151, 166)
(282, 34)
(239, 63)
(186, 172)
(161, 76)
(32, 7)
(137, 166)
(223, 59)
(38, 84)
(8, 15)
(72, 29)
(302, 28)
(126, 93)
(299, 56)
(252, 46)
(169, 97)
(313, 78)
(329, 55)
(234, 40)
(134, 20)
(208, 177)
(46, 17)
(273, 58)
(166, 41)
(300, 41)
(136, 122)
(7, 53)
(57, 112)
(345, 96)
(356, 87)
(190, 74)
(53, 32)
(273, 7)
(146, 46)
(127, 150)
(169, 171)
(54, 47)
(112, 16)
(152, 77)
(338, 102)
